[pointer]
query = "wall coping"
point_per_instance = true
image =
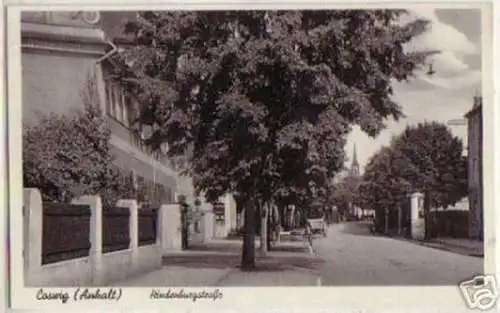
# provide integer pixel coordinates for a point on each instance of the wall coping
(62, 33)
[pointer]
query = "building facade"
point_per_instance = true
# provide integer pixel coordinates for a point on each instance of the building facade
(64, 54)
(64, 58)
(475, 168)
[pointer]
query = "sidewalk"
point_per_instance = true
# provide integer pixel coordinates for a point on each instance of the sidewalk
(455, 245)
(458, 245)
(216, 263)
(462, 246)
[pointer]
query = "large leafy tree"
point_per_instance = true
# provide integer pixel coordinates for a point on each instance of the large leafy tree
(264, 100)
(347, 192)
(384, 186)
(437, 166)
(426, 157)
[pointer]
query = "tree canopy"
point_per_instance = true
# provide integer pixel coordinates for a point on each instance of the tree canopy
(427, 158)
(347, 192)
(438, 166)
(255, 94)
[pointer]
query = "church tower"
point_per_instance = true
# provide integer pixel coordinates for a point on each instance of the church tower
(354, 171)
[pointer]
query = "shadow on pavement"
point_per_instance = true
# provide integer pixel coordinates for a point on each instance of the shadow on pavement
(228, 255)
(358, 229)
(283, 248)
(281, 264)
(217, 261)
(228, 246)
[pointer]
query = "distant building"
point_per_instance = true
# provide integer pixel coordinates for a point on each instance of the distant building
(475, 168)
(354, 170)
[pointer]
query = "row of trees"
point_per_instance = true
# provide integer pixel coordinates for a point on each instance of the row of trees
(262, 101)
(426, 158)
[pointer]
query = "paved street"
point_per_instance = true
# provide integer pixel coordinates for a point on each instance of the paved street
(350, 255)
(216, 264)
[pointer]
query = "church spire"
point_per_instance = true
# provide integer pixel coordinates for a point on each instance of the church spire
(355, 164)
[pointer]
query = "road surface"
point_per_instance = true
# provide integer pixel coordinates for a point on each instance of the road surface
(349, 256)
(352, 256)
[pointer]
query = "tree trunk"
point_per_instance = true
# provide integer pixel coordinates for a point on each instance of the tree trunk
(248, 254)
(239, 212)
(400, 224)
(278, 225)
(270, 233)
(386, 220)
(427, 204)
(185, 228)
(263, 229)
(292, 218)
(283, 216)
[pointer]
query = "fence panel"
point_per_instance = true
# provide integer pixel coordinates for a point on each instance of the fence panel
(147, 219)
(449, 223)
(65, 232)
(115, 229)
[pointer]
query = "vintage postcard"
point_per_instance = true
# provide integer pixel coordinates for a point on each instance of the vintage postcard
(219, 156)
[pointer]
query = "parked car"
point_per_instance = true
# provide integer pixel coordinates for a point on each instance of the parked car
(316, 218)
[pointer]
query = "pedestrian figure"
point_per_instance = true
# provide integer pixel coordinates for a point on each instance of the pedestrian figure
(308, 238)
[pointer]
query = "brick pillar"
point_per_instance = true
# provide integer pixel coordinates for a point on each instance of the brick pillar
(133, 227)
(417, 223)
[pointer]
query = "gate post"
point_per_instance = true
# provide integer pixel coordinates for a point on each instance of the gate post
(417, 216)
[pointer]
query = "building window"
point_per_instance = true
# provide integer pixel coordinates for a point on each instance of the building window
(123, 108)
(118, 104)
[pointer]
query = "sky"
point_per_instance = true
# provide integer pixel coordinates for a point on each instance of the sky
(446, 95)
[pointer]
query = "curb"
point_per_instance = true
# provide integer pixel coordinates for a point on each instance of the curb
(450, 248)
(196, 252)
(440, 246)
(453, 244)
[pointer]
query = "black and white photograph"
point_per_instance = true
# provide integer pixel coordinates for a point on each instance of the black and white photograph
(252, 148)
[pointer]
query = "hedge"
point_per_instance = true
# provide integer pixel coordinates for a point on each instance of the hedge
(66, 156)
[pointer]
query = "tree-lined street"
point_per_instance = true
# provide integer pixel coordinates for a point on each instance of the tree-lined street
(349, 256)
(248, 115)
(250, 95)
